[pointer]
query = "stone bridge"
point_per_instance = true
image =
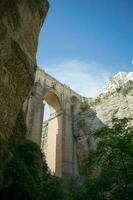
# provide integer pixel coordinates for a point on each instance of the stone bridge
(59, 144)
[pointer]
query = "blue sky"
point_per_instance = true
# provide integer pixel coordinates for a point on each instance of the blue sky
(84, 42)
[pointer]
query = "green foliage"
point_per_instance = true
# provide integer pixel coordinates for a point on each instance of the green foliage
(52, 188)
(97, 100)
(125, 88)
(111, 164)
(84, 105)
(24, 173)
(77, 193)
(128, 87)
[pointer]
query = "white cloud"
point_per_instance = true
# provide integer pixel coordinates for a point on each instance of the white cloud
(88, 79)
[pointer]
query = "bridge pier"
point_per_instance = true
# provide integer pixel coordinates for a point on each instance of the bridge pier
(61, 145)
(34, 118)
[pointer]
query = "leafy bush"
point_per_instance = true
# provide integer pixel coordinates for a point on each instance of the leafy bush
(111, 164)
(24, 173)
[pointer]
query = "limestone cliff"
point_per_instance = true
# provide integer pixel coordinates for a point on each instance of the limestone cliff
(20, 23)
(117, 81)
(96, 113)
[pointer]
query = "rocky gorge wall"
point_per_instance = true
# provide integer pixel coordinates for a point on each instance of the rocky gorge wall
(94, 114)
(20, 22)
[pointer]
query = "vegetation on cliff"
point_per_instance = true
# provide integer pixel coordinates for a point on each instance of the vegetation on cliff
(24, 173)
(109, 166)
(125, 89)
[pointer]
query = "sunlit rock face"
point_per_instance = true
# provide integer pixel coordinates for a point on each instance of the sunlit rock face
(118, 102)
(117, 81)
(20, 23)
(95, 115)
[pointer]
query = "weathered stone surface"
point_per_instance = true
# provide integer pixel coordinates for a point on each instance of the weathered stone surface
(20, 22)
(88, 119)
(56, 136)
(67, 136)
(116, 105)
(86, 123)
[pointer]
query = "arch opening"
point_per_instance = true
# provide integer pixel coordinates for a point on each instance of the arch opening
(74, 100)
(46, 114)
(51, 141)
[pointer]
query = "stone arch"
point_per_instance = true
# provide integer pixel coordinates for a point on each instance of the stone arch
(53, 100)
(73, 100)
(63, 102)
(52, 133)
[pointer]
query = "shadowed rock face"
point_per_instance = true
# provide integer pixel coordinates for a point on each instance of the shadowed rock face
(20, 23)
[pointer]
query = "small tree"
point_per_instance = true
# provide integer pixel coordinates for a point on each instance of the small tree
(110, 165)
